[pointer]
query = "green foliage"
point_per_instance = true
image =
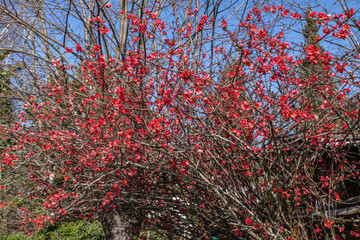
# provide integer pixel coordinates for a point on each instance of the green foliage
(16, 237)
(64, 230)
(77, 230)
(151, 235)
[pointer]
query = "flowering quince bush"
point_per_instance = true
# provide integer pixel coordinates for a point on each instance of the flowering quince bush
(256, 147)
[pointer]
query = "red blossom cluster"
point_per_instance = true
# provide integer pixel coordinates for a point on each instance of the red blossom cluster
(254, 151)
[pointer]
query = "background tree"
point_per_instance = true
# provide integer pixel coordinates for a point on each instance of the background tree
(7, 108)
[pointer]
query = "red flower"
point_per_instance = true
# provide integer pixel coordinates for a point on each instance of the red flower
(237, 232)
(79, 49)
(328, 224)
(68, 50)
(296, 16)
(103, 30)
(317, 230)
(338, 237)
(96, 48)
(353, 233)
(248, 221)
(340, 68)
(185, 163)
(257, 226)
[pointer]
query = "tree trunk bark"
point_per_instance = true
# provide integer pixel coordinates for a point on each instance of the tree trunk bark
(118, 225)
